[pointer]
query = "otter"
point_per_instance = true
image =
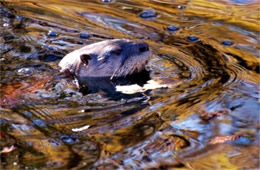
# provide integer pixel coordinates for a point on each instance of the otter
(110, 58)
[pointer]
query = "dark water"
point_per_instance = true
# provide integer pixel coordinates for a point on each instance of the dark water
(208, 119)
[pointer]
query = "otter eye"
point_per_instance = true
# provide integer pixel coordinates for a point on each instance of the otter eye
(116, 52)
(85, 58)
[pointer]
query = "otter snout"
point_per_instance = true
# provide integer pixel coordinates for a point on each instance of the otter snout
(143, 47)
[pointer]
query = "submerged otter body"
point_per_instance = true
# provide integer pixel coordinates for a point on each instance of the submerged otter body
(110, 58)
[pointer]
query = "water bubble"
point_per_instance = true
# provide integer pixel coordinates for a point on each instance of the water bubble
(29, 114)
(242, 1)
(5, 25)
(84, 35)
(39, 122)
(26, 71)
(54, 142)
(66, 139)
(148, 14)
(243, 141)
(52, 33)
(144, 38)
(106, 1)
(172, 28)
(22, 127)
(48, 47)
(227, 43)
(193, 38)
(69, 139)
(181, 7)
(19, 18)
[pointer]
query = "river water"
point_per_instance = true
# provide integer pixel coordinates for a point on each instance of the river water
(208, 118)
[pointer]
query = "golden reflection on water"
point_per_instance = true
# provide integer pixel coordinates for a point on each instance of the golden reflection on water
(167, 131)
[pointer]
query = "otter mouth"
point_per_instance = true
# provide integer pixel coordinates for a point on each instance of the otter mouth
(132, 65)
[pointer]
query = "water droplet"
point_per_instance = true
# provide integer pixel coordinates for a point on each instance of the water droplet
(193, 38)
(106, 1)
(19, 18)
(148, 14)
(52, 33)
(26, 71)
(243, 141)
(5, 25)
(227, 43)
(181, 7)
(48, 47)
(39, 122)
(69, 140)
(84, 35)
(29, 114)
(241, 1)
(54, 142)
(172, 28)
(144, 38)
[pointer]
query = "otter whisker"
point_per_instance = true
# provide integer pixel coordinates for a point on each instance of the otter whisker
(111, 78)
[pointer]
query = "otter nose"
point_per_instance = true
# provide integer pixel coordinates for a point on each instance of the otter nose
(143, 47)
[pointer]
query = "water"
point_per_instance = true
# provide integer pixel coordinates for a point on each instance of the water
(207, 119)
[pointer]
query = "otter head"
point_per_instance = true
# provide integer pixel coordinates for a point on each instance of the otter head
(110, 58)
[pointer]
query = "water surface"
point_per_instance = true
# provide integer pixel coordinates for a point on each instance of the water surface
(208, 119)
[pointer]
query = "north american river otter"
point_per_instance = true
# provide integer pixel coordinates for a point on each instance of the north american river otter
(110, 58)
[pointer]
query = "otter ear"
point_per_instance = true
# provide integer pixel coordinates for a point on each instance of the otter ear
(85, 58)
